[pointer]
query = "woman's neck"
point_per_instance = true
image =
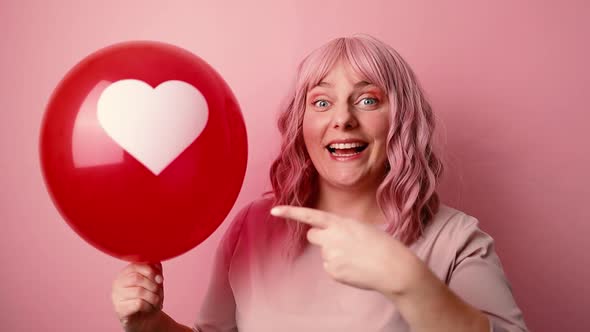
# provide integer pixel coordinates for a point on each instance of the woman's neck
(359, 204)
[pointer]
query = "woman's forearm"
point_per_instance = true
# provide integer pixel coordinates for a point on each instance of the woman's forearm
(165, 323)
(427, 304)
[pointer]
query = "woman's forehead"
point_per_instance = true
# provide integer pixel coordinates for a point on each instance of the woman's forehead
(328, 78)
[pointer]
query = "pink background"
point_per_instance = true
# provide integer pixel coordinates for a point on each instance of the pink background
(509, 79)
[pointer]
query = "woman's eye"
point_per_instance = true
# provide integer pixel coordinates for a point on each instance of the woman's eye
(321, 103)
(369, 101)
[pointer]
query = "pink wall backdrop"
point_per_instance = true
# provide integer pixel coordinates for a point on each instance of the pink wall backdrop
(509, 80)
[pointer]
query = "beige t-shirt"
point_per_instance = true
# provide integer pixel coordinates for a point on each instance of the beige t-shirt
(254, 289)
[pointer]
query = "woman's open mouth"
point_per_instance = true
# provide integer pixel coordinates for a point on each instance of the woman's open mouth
(346, 151)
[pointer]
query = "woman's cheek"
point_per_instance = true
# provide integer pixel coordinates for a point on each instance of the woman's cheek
(313, 126)
(310, 132)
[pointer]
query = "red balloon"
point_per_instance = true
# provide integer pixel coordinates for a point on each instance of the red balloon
(143, 150)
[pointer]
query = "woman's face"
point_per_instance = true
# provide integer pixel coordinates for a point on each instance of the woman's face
(345, 128)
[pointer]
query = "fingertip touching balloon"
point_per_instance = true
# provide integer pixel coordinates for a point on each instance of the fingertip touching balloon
(143, 150)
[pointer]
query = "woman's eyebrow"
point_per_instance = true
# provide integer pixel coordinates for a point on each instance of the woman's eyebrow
(362, 84)
(322, 84)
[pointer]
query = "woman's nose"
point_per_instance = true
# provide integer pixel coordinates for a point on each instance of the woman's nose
(344, 117)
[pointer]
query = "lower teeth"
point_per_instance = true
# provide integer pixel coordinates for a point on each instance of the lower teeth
(344, 155)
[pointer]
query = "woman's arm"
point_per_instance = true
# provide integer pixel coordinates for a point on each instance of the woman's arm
(427, 304)
(478, 296)
(218, 310)
(167, 324)
(475, 287)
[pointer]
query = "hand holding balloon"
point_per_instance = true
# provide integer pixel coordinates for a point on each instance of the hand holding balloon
(138, 296)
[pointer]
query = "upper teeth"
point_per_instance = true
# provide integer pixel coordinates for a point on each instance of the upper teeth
(345, 145)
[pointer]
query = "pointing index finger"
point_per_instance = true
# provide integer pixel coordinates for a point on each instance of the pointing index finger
(312, 217)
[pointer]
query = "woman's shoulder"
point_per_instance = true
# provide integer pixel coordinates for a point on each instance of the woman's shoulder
(261, 205)
(450, 227)
(450, 238)
(248, 221)
(254, 214)
(453, 219)
(256, 208)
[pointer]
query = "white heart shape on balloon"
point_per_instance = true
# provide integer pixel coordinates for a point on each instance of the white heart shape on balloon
(153, 125)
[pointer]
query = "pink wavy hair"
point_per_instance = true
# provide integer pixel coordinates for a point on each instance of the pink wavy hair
(407, 195)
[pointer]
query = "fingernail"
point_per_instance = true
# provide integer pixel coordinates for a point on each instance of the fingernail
(275, 211)
(159, 279)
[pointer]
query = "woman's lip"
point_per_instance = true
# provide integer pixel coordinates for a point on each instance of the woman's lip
(346, 158)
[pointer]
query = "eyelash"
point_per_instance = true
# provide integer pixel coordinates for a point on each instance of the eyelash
(372, 98)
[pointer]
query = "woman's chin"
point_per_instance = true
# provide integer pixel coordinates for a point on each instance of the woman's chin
(348, 181)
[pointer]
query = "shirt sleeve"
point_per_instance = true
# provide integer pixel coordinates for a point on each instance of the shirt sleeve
(218, 310)
(478, 278)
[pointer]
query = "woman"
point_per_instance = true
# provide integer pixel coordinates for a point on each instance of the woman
(357, 239)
